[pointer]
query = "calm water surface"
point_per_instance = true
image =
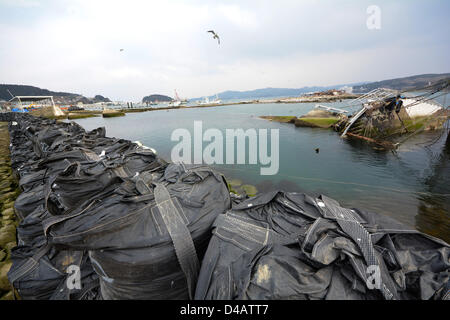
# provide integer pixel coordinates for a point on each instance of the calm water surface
(412, 185)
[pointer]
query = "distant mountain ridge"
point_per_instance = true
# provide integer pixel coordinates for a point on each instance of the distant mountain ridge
(275, 92)
(405, 83)
(58, 97)
(266, 93)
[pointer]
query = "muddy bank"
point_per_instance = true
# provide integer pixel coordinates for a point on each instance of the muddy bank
(8, 222)
(313, 119)
(112, 113)
(281, 119)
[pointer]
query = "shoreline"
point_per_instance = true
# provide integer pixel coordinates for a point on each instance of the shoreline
(9, 191)
(80, 114)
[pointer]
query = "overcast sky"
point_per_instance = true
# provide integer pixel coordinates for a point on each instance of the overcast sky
(74, 45)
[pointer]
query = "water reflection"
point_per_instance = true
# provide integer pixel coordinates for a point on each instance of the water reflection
(434, 209)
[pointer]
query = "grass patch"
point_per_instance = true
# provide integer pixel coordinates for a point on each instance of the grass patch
(113, 114)
(282, 119)
(80, 116)
(135, 110)
(318, 122)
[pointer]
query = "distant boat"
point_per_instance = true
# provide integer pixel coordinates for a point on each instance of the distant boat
(174, 103)
(207, 101)
(177, 102)
(204, 101)
(217, 100)
(179, 99)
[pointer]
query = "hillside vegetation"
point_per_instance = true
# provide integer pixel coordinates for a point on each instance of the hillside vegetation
(59, 97)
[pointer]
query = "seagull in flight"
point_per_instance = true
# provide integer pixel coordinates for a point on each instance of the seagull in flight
(121, 50)
(215, 36)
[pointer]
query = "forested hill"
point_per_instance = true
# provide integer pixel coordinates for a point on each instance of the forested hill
(156, 98)
(21, 90)
(59, 97)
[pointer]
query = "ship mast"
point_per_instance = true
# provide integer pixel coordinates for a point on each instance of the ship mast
(176, 95)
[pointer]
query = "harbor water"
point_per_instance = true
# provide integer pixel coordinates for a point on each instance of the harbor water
(411, 184)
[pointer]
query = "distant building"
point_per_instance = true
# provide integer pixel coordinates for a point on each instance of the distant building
(40, 105)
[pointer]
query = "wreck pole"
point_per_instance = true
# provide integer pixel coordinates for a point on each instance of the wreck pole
(447, 142)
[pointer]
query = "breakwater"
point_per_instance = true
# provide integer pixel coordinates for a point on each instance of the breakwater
(129, 197)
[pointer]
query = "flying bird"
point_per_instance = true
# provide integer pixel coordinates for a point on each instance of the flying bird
(121, 50)
(215, 36)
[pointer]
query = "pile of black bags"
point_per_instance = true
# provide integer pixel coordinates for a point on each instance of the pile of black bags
(281, 245)
(136, 226)
(140, 228)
